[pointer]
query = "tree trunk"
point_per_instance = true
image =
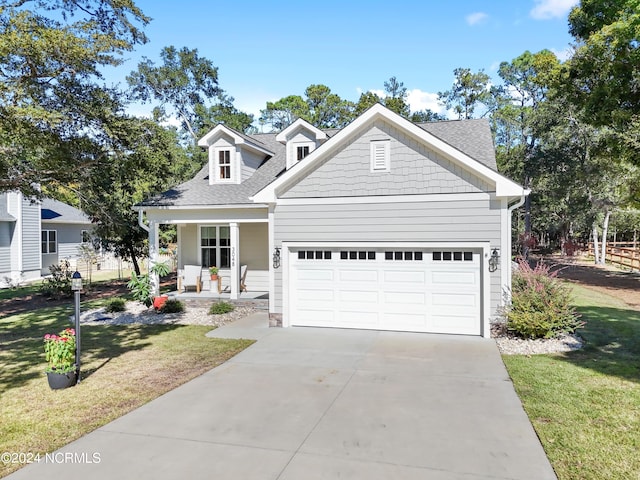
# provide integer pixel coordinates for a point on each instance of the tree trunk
(605, 227)
(134, 260)
(596, 252)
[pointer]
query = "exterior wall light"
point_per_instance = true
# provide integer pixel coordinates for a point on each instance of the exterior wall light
(494, 260)
(276, 258)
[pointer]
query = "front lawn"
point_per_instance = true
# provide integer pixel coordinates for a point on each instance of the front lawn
(123, 367)
(585, 405)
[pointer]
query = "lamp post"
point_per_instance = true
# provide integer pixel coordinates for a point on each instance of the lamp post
(76, 286)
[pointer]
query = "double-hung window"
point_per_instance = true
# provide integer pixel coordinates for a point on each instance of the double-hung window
(224, 164)
(215, 246)
(49, 241)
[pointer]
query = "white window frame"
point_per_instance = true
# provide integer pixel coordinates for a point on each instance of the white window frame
(293, 152)
(47, 243)
(217, 246)
(218, 166)
(380, 156)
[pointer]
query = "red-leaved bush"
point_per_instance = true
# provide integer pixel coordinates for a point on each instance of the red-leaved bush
(540, 304)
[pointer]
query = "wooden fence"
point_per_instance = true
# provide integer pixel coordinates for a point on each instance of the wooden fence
(625, 254)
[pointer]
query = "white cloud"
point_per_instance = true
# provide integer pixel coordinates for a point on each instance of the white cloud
(419, 100)
(476, 18)
(547, 9)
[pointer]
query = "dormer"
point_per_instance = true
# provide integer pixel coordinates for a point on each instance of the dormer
(300, 138)
(233, 157)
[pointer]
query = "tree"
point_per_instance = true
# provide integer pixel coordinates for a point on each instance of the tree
(396, 97)
(427, 115)
(284, 112)
(140, 159)
(183, 83)
(52, 107)
(603, 75)
(366, 101)
(326, 109)
(225, 113)
(469, 90)
(320, 108)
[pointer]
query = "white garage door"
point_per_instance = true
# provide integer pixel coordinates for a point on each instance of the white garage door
(414, 290)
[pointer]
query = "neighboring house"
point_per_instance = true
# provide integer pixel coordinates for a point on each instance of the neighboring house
(34, 235)
(384, 224)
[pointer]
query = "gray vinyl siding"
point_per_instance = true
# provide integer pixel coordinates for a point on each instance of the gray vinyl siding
(69, 237)
(249, 164)
(5, 247)
(31, 236)
(414, 169)
(452, 221)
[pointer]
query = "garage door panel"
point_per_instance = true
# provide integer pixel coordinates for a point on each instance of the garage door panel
(404, 276)
(402, 291)
(454, 300)
(405, 298)
(446, 277)
(358, 275)
(316, 274)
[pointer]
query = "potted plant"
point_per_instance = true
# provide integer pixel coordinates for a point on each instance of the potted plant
(60, 353)
(214, 273)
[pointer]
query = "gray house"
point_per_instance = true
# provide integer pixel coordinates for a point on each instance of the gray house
(35, 235)
(384, 224)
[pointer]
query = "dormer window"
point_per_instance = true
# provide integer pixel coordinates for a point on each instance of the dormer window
(302, 152)
(224, 164)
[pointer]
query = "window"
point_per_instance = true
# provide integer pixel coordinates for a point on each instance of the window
(358, 255)
(224, 164)
(86, 237)
(215, 247)
(49, 241)
(302, 152)
(412, 256)
(314, 254)
(452, 256)
(380, 155)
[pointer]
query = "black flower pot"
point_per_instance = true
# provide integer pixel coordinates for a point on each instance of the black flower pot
(61, 380)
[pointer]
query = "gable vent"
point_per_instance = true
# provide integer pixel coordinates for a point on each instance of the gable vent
(380, 155)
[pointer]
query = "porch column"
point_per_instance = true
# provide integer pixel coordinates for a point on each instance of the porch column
(235, 254)
(154, 246)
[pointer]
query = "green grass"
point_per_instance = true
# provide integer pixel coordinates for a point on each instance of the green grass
(585, 405)
(123, 367)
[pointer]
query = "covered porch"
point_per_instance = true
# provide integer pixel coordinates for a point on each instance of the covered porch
(231, 239)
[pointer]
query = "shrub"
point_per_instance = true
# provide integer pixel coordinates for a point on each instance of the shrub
(219, 308)
(540, 304)
(115, 305)
(172, 306)
(59, 284)
(140, 285)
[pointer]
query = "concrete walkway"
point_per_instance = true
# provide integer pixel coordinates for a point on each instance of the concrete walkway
(306, 403)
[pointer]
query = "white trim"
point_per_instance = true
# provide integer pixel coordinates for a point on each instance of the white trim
(438, 197)
(505, 252)
(234, 256)
(504, 186)
(227, 206)
(300, 124)
(272, 272)
(238, 139)
(485, 276)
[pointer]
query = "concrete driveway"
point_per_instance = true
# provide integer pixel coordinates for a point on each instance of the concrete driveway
(307, 403)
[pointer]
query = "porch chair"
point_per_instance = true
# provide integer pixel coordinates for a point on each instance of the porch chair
(192, 277)
(243, 276)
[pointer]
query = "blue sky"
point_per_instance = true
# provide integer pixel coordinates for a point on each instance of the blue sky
(266, 50)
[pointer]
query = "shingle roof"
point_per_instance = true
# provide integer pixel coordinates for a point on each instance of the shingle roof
(472, 137)
(54, 211)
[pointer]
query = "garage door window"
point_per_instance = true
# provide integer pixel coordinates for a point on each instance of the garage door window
(314, 255)
(452, 256)
(410, 256)
(358, 255)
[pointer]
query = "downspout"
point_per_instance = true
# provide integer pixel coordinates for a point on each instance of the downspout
(141, 221)
(510, 209)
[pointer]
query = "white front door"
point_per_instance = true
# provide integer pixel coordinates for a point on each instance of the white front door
(417, 290)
